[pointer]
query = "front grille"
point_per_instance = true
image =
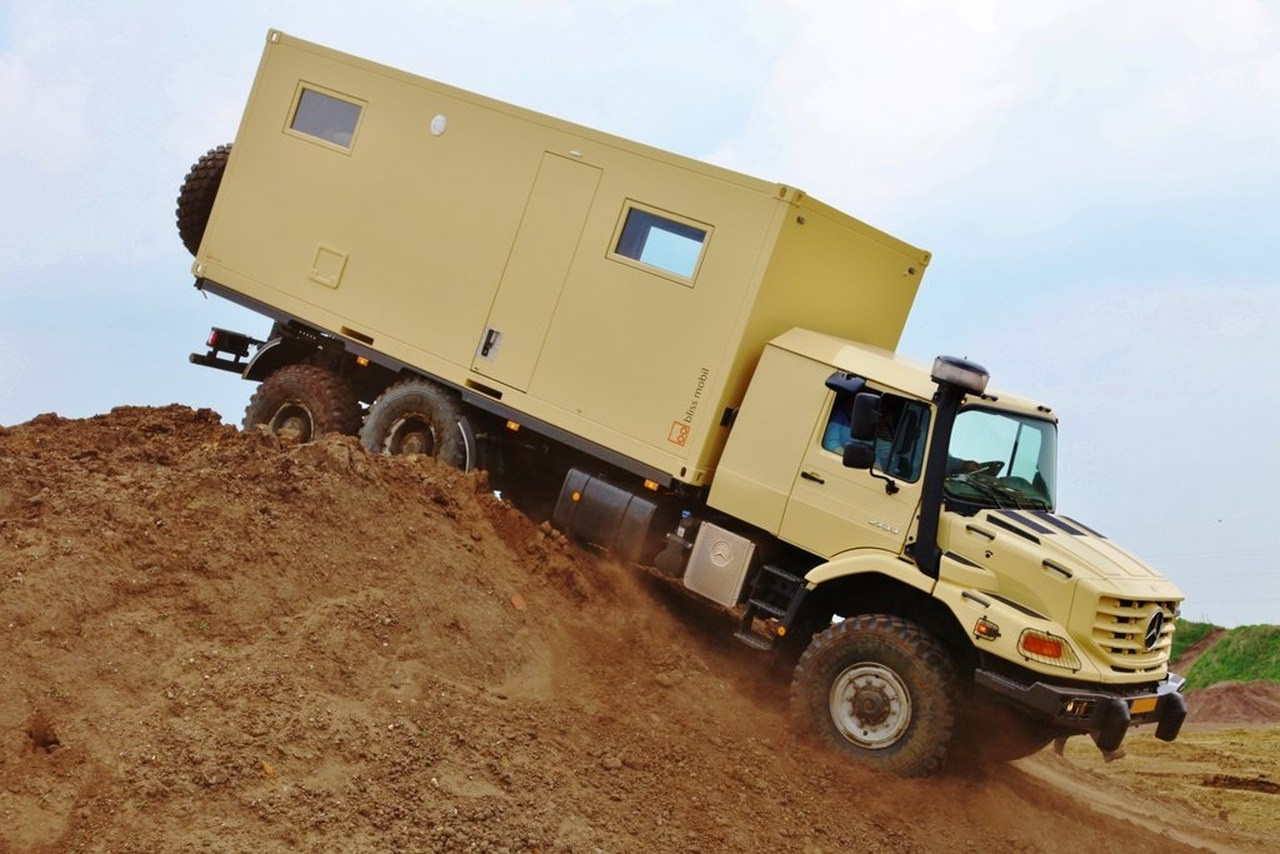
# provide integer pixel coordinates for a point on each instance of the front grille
(1129, 633)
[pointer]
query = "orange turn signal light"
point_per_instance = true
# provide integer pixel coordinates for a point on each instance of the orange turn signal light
(1042, 645)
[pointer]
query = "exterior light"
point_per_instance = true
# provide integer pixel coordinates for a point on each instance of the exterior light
(1047, 649)
(962, 373)
(986, 629)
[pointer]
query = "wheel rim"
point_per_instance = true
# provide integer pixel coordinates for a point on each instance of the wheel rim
(411, 435)
(870, 705)
(293, 418)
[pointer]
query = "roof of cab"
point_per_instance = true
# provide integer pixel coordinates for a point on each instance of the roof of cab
(892, 370)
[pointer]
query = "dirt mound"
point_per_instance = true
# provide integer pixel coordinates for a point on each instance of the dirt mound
(1235, 703)
(1254, 703)
(1182, 664)
(219, 641)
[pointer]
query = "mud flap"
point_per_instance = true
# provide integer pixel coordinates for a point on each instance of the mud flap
(1115, 723)
(1173, 711)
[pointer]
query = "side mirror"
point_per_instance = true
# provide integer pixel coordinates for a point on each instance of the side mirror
(866, 416)
(858, 456)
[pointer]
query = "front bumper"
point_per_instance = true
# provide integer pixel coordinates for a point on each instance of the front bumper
(1105, 715)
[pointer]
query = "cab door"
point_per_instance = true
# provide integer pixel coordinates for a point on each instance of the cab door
(833, 508)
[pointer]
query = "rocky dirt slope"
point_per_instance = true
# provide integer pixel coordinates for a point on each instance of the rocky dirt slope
(216, 641)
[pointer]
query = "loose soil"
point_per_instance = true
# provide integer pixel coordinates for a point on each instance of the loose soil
(222, 641)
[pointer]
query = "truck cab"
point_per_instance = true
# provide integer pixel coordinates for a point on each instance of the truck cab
(931, 498)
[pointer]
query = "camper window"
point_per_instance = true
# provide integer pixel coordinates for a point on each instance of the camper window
(657, 241)
(325, 117)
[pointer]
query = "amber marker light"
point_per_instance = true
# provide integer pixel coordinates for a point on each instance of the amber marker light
(651, 485)
(1041, 645)
(513, 426)
(362, 361)
(984, 628)
(1047, 649)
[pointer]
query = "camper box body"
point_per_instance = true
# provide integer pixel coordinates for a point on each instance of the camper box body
(611, 292)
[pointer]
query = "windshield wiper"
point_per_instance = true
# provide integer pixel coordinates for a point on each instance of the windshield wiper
(1001, 495)
(1020, 499)
(984, 488)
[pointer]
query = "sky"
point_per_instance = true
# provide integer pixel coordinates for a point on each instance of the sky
(1098, 182)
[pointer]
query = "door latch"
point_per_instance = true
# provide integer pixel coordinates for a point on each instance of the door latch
(489, 344)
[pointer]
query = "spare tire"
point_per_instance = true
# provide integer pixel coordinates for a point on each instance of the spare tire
(195, 199)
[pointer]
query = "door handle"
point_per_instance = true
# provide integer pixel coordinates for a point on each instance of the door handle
(813, 476)
(489, 345)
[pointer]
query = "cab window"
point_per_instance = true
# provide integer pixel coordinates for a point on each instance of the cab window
(901, 433)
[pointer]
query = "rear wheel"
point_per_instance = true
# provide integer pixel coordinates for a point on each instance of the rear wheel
(195, 198)
(306, 401)
(880, 690)
(419, 417)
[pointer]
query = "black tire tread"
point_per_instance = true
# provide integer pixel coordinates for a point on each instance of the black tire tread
(920, 660)
(196, 196)
(427, 400)
(328, 397)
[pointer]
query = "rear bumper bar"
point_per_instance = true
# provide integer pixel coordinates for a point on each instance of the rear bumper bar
(1105, 715)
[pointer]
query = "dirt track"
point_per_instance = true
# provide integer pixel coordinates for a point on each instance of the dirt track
(215, 641)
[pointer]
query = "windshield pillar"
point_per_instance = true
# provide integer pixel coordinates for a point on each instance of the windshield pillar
(927, 555)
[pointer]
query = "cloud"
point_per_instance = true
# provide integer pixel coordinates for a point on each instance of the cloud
(1175, 336)
(887, 107)
(46, 129)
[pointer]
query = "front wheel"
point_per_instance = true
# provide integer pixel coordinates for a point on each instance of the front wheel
(419, 417)
(306, 401)
(880, 690)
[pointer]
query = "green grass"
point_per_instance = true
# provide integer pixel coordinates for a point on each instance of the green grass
(1246, 654)
(1188, 634)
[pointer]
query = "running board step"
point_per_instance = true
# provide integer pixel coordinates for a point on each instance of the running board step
(772, 594)
(752, 639)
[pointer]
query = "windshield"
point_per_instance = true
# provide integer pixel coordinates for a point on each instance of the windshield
(997, 459)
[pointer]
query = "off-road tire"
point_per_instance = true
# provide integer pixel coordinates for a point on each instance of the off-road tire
(419, 417)
(905, 686)
(195, 198)
(305, 400)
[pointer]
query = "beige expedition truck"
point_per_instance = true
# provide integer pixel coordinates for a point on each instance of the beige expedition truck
(693, 370)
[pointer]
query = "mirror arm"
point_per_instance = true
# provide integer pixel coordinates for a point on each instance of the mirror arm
(890, 485)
